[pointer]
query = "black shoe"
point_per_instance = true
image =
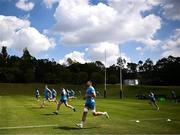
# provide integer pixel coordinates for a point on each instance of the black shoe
(74, 109)
(56, 113)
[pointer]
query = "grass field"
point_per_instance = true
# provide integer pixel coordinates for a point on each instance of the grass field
(20, 113)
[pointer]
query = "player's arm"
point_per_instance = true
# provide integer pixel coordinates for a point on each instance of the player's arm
(94, 94)
(91, 95)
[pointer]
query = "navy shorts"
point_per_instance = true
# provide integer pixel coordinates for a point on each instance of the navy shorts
(90, 105)
(63, 101)
(46, 97)
(153, 101)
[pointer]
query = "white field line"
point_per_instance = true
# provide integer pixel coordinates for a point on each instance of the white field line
(150, 119)
(23, 127)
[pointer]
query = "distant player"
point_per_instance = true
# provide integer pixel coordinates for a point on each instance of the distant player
(174, 97)
(47, 96)
(72, 94)
(153, 100)
(50, 95)
(64, 100)
(90, 104)
(54, 95)
(98, 93)
(37, 94)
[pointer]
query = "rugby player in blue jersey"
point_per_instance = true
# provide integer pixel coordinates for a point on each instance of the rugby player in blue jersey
(47, 96)
(37, 94)
(64, 99)
(153, 100)
(54, 95)
(90, 104)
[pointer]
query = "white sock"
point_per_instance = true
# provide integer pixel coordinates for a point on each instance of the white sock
(82, 122)
(104, 113)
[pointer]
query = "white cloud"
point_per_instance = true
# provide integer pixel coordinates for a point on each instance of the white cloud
(29, 37)
(172, 45)
(16, 33)
(105, 26)
(49, 3)
(171, 8)
(139, 48)
(79, 22)
(25, 5)
(97, 53)
(75, 56)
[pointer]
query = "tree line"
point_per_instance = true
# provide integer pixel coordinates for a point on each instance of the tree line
(28, 69)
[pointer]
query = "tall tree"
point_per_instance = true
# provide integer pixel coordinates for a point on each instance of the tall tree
(121, 62)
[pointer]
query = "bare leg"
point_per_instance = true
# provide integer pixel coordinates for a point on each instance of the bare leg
(157, 107)
(69, 106)
(94, 113)
(58, 106)
(84, 116)
(150, 103)
(98, 113)
(43, 104)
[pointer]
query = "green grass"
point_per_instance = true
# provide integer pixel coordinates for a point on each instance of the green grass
(112, 90)
(18, 107)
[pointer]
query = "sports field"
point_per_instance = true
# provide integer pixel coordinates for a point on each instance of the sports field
(21, 114)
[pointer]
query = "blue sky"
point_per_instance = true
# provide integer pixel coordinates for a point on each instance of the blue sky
(45, 15)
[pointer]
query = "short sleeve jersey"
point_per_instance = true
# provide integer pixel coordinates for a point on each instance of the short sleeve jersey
(90, 91)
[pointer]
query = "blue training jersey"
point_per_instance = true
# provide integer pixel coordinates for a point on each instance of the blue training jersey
(152, 97)
(47, 92)
(89, 92)
(64, 95)
(54, 93)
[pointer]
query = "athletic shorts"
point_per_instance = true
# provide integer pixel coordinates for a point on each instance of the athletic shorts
(152, 100)
(46, 98)
(53, 97)
(63, 101)
(90, 105)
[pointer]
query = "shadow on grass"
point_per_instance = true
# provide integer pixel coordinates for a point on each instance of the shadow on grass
(143, 109)
(49, 114)
(73, 128)
(34, 107)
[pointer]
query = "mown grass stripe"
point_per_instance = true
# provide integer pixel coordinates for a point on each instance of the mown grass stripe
(22, 127)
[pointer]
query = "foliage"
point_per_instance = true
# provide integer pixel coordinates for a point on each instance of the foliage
(28, 69)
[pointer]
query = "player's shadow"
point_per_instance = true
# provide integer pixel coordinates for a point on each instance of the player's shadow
(50, 114)
(73, 128)
(34, 108)
(143, 109)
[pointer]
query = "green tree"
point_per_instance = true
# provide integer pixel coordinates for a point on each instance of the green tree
(97, 77)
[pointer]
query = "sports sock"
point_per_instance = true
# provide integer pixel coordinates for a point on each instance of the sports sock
(81, 122)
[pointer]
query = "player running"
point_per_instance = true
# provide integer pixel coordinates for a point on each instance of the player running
(54, 95)
(90, 104)
(63, 99)
(174, 97)
(47, 96)
(153, 100)
(37, 94)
